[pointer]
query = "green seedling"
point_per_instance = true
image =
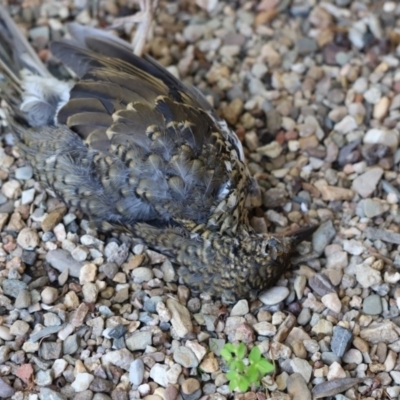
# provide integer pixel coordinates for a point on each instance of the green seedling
(243, 375)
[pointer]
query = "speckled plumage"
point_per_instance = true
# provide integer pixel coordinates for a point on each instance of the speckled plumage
(133, 148)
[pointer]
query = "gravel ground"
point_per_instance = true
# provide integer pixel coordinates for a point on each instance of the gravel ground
(312, 88)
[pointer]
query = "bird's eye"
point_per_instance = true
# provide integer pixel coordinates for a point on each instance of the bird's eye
(270, 245)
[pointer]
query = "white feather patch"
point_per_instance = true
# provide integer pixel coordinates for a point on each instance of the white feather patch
(39, 90)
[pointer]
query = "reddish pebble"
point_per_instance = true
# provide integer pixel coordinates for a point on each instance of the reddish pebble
(291, 135)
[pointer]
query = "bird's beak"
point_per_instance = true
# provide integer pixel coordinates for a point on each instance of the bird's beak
(301, 234)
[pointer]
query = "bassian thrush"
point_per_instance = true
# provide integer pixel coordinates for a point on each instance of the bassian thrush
(132, 147)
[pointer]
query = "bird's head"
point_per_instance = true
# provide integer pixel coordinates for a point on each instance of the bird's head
(256, 262)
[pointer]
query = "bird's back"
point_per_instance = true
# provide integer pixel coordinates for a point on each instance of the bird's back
(129, 142)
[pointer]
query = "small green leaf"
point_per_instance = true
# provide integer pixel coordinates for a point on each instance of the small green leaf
(253, 374)
(238, 365)
(229, 347)
(232, 375)
(264, 366)
(243, 384)
(255, 354)
(233, 384)
(241, 350)
(226, 355)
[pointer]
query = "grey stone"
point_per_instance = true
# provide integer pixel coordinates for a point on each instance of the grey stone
(44, 378)
(5, 389)
(136, 372)
(48, 394)
(323, 236)
(297, 387)
(185, 357)
(61, 260)
(372, 305)
(50, 350)
(24, 173)
(138, 341)
(12, 287)
(321, 285)
(341, 340)
(71, 344)
(23, 299)
(117, 332)
(328, 357)
(101, 385)
(306, 45)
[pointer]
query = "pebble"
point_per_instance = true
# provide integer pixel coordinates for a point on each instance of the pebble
(181, 320)
(332, 302)
(49, 295)
(87, 273)
(374, 207)
(19, 328)
(381, 136)
(24, 173)
(302, 367)
(272, 150)
(11, 189)
(372, 305)
(274, 295)
(323, 326)
(136, 372)
(121, 358)
(47, 393)
(199, 350)
(323, 236)
(381, 108)
(168, 271)
(27, 196)
(82, 381)
(159, 374)
(209, 364)
(185, 357)
(335, 372)
(366, 183)
(62, 260)
(190, 389)
(142, 274)
(341, 340)
(240, 308)
(297, 387)
(174, 373)
(353, 247)
(28, 239)
(59, 366)
(353, 356)
(5, 333)
(12, 287)
(321, 285)
(306, 45)
(139, 341)
(71, 344)
(373, 95)
(265, 328)
(367, 276)
(346, 125)
(23, 299)
(52, 219)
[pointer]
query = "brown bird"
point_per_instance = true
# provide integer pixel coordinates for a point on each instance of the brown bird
(132, 147)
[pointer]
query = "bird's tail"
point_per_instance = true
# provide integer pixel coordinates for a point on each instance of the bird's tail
(32, 94)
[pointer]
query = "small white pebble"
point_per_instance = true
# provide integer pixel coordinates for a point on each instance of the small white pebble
(49, 295)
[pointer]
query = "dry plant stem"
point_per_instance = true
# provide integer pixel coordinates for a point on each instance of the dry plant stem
(143, 19)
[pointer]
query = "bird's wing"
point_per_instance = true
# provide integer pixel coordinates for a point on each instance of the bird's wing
(139, 146)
